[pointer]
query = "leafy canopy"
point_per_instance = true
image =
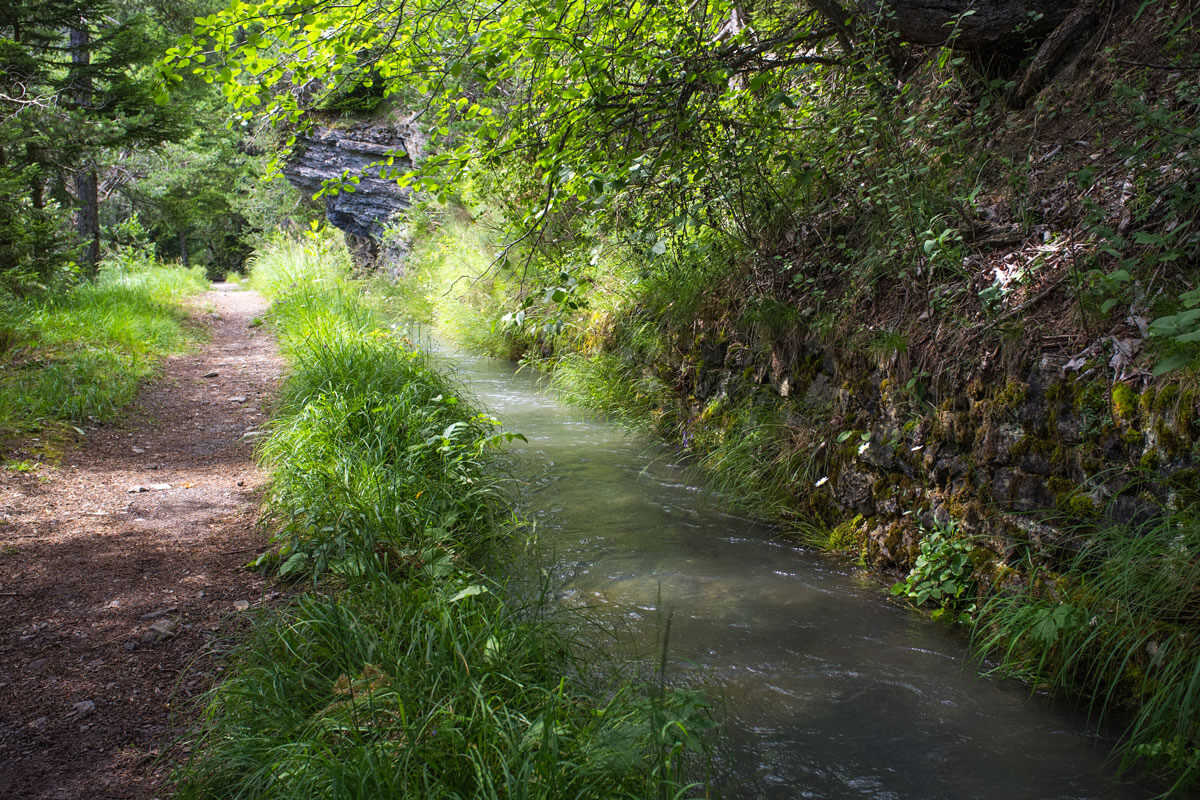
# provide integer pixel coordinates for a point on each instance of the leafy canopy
(593, 100)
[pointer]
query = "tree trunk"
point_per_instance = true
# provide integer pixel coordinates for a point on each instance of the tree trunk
(990, 26)
(183, 251)
(87, 195)
(87, 217)
(1073, 32)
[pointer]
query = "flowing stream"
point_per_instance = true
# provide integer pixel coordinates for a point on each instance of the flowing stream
(830, 689)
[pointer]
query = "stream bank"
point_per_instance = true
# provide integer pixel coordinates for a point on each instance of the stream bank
(1051, 511)
(952, 342)
(405, 670)
(919, 310)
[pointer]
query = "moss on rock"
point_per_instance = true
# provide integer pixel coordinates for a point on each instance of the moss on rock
(1124, 404)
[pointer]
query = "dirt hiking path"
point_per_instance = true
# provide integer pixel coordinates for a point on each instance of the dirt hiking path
(121, 570)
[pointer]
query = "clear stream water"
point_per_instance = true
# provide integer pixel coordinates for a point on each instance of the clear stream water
(831, 689)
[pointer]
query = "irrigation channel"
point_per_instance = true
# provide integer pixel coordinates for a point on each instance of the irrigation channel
(830, 689)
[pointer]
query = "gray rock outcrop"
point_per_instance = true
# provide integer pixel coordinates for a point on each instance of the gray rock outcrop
(327, 153)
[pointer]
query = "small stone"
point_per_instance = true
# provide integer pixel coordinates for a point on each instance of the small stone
(84, 708)
(130, 645)
(139, 450)
(238, 399)
(136, 489)
(160, 487)
(213, 374)
(241, 605)
(40, 722)
(160, 630)
(241, 483)
(37, 665)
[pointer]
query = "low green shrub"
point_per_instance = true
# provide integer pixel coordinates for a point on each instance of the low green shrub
(942, 575)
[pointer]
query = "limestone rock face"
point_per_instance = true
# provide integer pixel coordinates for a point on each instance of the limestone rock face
(327, 152)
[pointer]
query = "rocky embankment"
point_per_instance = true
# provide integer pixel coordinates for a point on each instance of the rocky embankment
(1018, 446)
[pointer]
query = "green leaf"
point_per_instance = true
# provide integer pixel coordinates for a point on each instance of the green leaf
(1189, 338)
(294, 562)
(1172, 363)
(469, 591)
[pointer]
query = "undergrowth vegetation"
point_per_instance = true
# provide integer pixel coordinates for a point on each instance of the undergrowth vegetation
(604, 342)
(78, 354)
(407, 671)
(943, 237)
(1118, 626)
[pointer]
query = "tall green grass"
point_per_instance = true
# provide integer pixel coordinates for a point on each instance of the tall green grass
(407, 671)
(426, 688)
(79, 354)
(1120, 627)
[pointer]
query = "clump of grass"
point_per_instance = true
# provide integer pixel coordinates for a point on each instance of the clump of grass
(1118, 626)
(385, 447)
(406, 672)
(752, 457)
(431, 688)
(614, 386)
(79, 354)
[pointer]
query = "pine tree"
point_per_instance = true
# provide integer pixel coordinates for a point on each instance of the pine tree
(75, 84)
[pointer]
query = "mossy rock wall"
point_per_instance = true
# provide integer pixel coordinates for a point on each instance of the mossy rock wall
(1020, 457)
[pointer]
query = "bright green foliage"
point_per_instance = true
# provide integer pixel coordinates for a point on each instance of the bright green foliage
(373, 451)
(599, 103)
(408, 673)
(942, 574)
(80, 354)
(1118, 626)
(673, 141)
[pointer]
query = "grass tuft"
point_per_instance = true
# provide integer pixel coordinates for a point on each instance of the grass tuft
(1118, 626)
(427, 688)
